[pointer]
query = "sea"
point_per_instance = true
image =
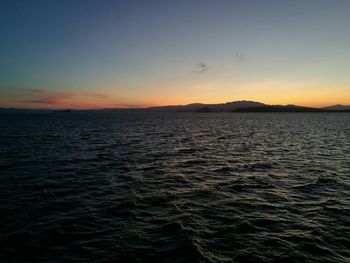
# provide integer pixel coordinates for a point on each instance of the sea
(100, 187)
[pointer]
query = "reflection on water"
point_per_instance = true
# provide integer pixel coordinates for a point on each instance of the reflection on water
(127, 187)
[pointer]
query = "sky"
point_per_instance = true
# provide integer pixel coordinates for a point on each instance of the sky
(138, 53)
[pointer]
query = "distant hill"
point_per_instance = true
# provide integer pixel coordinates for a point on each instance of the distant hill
(201, 107)
(15, 110)
(287, 108)
(337, 107)
(234, 106)
(242, 106)
(279, 108)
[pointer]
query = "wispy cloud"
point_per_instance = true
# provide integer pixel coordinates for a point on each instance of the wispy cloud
(240, 56)
(201, 68)
(93, 95)
(30, 90)
(54, 99)
(123, 105)
(38, 98)
(63, 94)
(35, 98)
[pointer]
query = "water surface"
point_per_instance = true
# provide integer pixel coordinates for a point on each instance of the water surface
(137, 187)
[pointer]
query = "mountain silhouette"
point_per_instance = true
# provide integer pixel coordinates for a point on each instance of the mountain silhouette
(234, 106)
(201, 107)
(279, 108)
(337, 107)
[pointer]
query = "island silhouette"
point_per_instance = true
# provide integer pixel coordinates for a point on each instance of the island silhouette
(238, 106)
(234, 107)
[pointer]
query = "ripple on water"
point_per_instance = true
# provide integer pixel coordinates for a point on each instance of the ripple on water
(134, 187)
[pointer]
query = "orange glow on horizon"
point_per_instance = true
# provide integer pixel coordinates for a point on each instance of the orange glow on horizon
(272, 93)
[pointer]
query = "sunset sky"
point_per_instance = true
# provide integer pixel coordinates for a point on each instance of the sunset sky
(104, 53)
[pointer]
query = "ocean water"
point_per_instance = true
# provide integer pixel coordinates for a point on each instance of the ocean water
(137, 187)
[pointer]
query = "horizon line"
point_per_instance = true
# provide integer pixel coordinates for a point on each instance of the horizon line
(167, 105)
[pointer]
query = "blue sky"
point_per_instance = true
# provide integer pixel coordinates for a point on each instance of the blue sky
(139, 53)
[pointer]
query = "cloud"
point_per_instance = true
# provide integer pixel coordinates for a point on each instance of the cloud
(37, 98)
(31, 90)
(123, 105)
(55, 99)
(62, 94)
(93, 95)
(240, 56)
(201, 68)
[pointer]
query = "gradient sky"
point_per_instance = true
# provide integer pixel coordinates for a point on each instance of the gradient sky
(104, 53)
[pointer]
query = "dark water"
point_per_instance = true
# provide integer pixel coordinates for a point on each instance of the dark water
(112, 187)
